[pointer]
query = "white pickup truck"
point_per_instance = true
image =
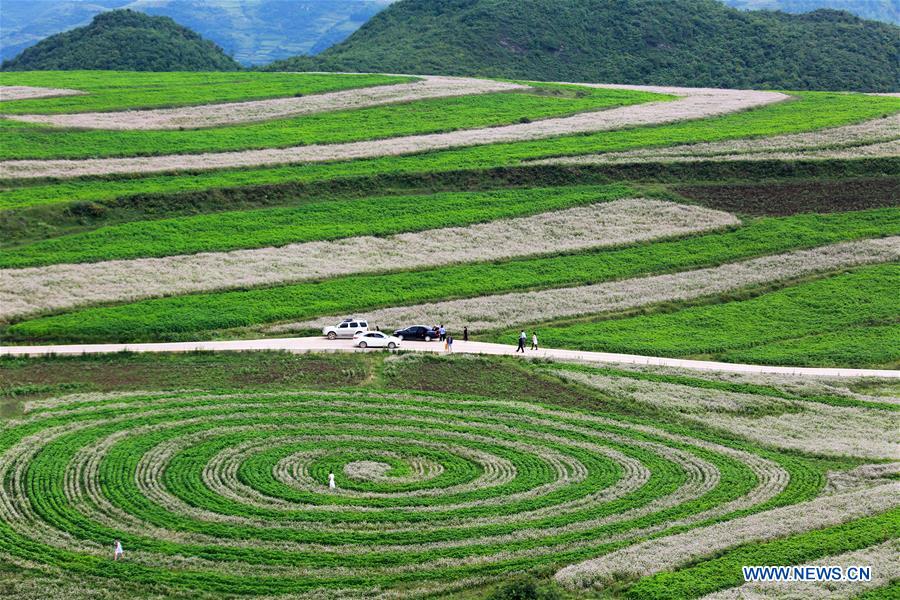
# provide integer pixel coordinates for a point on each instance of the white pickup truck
(345, 329)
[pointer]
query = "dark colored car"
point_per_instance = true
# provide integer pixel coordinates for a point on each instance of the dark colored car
(417, 332)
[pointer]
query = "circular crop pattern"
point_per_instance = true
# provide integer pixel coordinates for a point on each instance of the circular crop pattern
(229, 493)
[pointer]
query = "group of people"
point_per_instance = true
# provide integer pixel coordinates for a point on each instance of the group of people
(523, 337)
(445, 336)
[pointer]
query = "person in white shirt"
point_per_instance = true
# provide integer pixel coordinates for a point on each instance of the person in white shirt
(534, 345)
(521, 346)
(118, 552)
(331, 485)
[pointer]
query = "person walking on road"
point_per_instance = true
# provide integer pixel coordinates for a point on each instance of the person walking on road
(449, 343)
(534, 344)
(521, 347)
(466, 333)
(443, 333)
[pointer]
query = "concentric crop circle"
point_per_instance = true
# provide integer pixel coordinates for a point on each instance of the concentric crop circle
(228, 493)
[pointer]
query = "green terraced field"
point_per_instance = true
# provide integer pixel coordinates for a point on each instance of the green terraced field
(114, 91)
(190, 316)
(309, 221)
(411, 118)
(797, 325)
(456, 476)
(127, 217)
(809, 111)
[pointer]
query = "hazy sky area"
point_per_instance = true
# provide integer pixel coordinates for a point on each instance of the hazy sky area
(252, 31)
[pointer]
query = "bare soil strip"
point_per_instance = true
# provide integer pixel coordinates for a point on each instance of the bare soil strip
(670, 552)
(879, 150)
(695, 104)
(506, 310)
(870, 138)
(214, 115)
(24, 92)
(38, 289)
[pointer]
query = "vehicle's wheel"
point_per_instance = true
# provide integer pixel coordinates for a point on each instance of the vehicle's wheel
(427, 338)
(391, 345)
(332, 335)
(362, 344)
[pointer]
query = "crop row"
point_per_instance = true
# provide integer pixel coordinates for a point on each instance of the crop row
(808, 112)
(861, 298)
(771, 387)
(111, 91)
(874, 344)
(874, 131)
(791, 425)
(334, 127)
(889, 149)
(506, 310)
(309, 221)
(725, 571)
(663, 554)
(882, 558)
(202, 312)
(696, 104)
(216, 492)
(230, 113)
(619, 222)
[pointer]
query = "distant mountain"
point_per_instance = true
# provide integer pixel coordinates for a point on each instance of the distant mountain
(125, 40)
(887, 11)
(252, 31)
(683, 42)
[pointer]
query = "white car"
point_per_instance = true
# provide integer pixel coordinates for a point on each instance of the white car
(346, 329)
(375, 339)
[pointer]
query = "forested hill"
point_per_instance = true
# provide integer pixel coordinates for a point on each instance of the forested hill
(125, 40)
(683, 42)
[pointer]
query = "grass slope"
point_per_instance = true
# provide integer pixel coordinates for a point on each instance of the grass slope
(308, 221)
(408, 118)
(198, 315)
(128, 90)
(804, 318)
(810, 111)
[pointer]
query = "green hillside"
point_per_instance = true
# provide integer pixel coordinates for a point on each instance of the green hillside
(124, 40)
(686, 42)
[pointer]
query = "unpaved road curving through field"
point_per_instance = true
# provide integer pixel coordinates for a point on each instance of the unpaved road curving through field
(319, 344)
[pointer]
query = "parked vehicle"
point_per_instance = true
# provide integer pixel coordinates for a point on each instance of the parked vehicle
(375, 339)
(417, 332)
(345, 329)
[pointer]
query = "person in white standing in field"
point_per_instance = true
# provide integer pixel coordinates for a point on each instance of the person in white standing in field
(118, 552)
(331, 485)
